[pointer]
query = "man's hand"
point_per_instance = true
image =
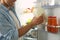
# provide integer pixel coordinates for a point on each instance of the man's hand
(37, 20)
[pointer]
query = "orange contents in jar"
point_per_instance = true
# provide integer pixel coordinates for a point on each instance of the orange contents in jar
(52, 29)
(52, 23)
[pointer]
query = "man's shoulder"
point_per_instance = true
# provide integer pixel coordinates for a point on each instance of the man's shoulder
(3, 11)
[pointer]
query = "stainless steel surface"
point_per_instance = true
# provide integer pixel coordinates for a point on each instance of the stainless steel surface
(42, 35)
(28, 38)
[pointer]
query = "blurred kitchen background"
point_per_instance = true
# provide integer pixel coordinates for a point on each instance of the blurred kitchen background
(46, 31)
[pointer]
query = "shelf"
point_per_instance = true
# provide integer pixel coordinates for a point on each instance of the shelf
(50, 6)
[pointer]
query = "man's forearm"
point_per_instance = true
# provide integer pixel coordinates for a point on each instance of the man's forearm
(24, 29)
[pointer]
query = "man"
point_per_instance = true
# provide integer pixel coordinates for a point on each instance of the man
(9, 22)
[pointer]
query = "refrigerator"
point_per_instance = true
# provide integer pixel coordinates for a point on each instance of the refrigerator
(51, 7)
